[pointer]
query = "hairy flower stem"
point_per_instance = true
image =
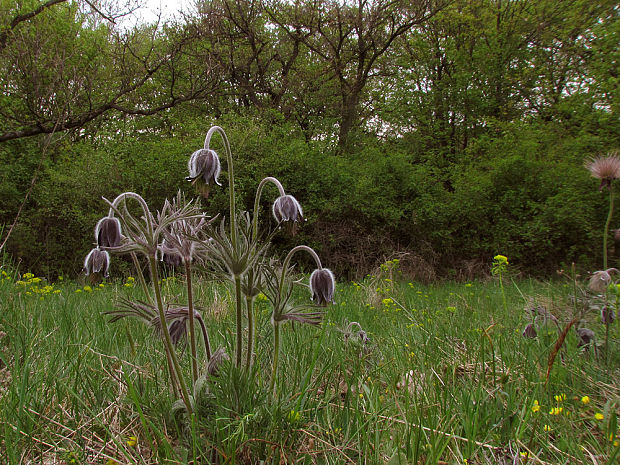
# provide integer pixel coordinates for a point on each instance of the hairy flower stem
(205, 337)
(190, 308)
(239, 320)
(250, 300)
(607, 223)
(231, 180)
(607, 344)
(233, 228)
(167, 340)
(145, 288)
(249, 303)
(276, 324)
(276, 356)
(259, 192)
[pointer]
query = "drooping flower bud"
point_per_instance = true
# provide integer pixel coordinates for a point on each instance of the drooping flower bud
(607, 315)
(530, 331)
(322, 286)
(97, 261)
(204, 169)
(585, 335)
(108, 232)
(287, 208)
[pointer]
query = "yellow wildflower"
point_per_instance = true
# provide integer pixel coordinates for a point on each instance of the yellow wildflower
(555, 411)
(132, 441)
(536, 407)
(88, 289)
(547, 428)
(585, 400)
(560, 397)
(598, 416)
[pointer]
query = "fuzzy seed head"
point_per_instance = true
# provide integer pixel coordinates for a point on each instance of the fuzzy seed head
(97, 261)
(600, 280)
(108, 232)
(322, 286)
(606, 168)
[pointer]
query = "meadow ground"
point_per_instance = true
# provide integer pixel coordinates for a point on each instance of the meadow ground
(399, 372)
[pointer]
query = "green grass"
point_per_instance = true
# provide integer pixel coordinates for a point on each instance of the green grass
(76, 389)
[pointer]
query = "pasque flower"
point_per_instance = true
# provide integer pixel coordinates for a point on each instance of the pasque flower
(530, 331)
(204, 169)
(585, 335)
(607, 315)
(322, 286)
(97, 261)
(108, 232)
(287, 208)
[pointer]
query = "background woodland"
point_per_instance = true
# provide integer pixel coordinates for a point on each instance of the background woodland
(442, 132)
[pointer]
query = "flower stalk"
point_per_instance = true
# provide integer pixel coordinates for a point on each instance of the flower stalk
(192, 330)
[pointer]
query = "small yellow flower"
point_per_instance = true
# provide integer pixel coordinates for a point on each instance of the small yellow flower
(132, 441)
(598, 416)
(585, 400)
(361, 395)
(77, 291)
(88, 289)
(468, 285)
(536, 407)
(101, 285)
(616, 443)
(560, 397)
(547, 428)
(555, 411)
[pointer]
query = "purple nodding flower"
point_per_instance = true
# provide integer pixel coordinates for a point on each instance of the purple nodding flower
(97, 261)
(530, 331)
(607, 315)
(585, 335)
(204, 166)
(287, 208)
(108, 232)
(322, 286)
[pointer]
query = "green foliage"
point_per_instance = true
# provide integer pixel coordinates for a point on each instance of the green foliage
(357, 400)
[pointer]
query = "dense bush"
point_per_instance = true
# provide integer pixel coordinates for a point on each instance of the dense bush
(523, 193)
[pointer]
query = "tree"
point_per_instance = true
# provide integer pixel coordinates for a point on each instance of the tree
(349, 38)
(61, 68)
